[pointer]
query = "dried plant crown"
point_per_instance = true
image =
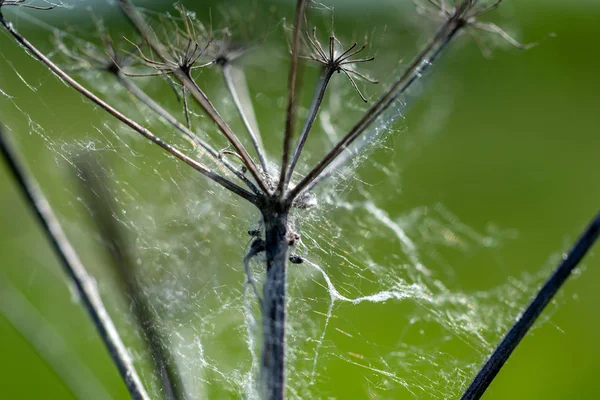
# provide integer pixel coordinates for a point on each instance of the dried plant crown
(336, 58)
(175, 49)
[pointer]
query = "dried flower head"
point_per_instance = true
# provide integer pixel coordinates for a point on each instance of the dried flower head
(86, 56)
(175, 50)
(466, 13)
(184, 46)
(337, 60)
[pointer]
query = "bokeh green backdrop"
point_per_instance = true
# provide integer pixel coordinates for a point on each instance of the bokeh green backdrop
(519, 149)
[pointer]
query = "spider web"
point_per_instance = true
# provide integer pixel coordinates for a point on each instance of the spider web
(374, 310)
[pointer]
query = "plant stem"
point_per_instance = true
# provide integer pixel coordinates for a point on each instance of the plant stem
(84, 284)
(243, 193)
(490, 369)
(291, 105)
(199, 96)
(187, 133)
(246, 113)
(274, 296)
(310, 119)
(414, 71)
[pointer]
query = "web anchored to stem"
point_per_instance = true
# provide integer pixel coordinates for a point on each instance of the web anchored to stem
(175, 50)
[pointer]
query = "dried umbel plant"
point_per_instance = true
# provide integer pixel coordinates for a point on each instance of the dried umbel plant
(175, 51)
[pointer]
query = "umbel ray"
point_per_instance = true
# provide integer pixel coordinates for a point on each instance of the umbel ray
(270, 185)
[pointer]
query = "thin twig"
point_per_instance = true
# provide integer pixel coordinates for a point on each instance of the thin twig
(98, 198)
(310, 119)
(291, 106)
(120, 116)
(244, 111)
(513, 337)
(186, 110)
(145, 31)
(84, 284)
(193, 138)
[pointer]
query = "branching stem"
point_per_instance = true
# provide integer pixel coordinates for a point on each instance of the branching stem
(145, 31)
(243, 193)
(273, 202)
(188, 134)
(414, 71)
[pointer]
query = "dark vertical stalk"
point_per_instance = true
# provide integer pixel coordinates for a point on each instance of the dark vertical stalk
(490, 369)
(274, 296)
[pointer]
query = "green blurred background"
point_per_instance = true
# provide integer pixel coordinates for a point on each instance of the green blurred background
(508, 144)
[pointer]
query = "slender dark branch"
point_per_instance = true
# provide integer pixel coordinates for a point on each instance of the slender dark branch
(121, 117)
(414, 71)
(231, 136)
(99, 200)
(291, 106)
(490, 369)
(334, 159)
(145, 31)
(310, 119)
(187, 133)
(84, 284)
(252, 131)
